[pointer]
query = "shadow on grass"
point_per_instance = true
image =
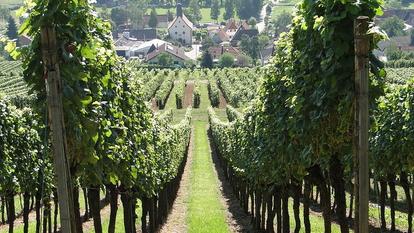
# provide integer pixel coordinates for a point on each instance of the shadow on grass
(243, 220)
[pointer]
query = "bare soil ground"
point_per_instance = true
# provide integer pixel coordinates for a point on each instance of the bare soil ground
(223, 101)
(188, 94)
(19, 221)
(176, 221)
(154, 106)
(105, 212)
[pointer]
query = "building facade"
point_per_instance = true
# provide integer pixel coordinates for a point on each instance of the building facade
(181, 29)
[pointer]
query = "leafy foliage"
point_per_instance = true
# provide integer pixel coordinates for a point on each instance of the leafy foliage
(164, 91)
(394, 26)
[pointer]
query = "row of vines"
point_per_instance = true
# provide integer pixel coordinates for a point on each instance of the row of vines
(299, 131)
(114, 141)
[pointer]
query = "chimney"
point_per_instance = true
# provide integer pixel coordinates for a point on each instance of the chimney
(179, 10)
(126, 34)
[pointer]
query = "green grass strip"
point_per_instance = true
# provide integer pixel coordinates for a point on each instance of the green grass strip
(205, 212)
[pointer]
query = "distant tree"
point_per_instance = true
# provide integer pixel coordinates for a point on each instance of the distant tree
(170, 16)
(164, 59)
(244, 43)
(254, 47)
(206, 60)
(250, 45)
(206, 43)
(207, 3)
(243, 60)
(252, 22)
(249, 8)
(11, 28)
(393, 26)
(194, 10)
(412, 37)
(263, 40)
(393, 52)
(153, 21)
(136, 10)
(200, 34)
(228, 9)
(119, 15)
(226, 60)
(189, 64)
(280, 24)
(215, 10)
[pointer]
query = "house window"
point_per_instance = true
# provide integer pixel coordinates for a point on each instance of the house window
(175, 33)
(183, 33)
(184, 41)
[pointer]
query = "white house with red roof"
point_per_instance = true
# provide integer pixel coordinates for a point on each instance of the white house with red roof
(181, 29)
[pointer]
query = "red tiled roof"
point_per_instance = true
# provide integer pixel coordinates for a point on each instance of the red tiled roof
(217, 51)
(170, 49)
(223, 35)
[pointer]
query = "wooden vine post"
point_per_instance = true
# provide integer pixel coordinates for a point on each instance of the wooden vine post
(57, 126)
(362, 46)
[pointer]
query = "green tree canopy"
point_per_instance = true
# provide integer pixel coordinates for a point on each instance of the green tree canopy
(228, 9)
(136, 11)
(11, 28)
(119, 15)
(194, 11)
(226, 60)
(164, 59)
(153, 21)
(281, 22)
(252, 22)
(215, 10)
(206, 60)
(248, 8)
(393, 26)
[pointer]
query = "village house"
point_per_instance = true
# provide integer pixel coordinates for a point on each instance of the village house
(218, 51)
(125, 45)
(232, 32)
(250, 32)
(177, 54)
(129, 47)
(181, 29)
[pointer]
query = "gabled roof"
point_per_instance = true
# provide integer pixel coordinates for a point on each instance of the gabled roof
(170, 49)
(146, 46)
(184, 19)
(217, 51)
(244, 25)
(222, 35)
(127, 42)
(241, 31)
(144, 34)
(231, 25)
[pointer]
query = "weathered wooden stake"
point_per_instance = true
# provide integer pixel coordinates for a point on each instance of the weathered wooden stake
(362, 44)
(59, 146)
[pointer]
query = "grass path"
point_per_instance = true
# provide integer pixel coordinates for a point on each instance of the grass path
(205, 212)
